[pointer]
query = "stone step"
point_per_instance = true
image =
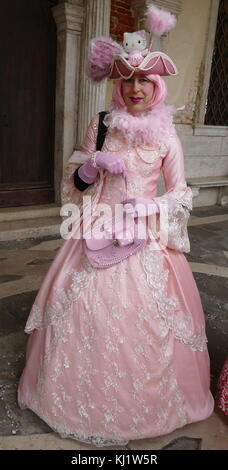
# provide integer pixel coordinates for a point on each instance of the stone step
(30, 228)
(209, 181)
(29, 212)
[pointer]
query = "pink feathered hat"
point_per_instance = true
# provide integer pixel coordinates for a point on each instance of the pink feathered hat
(109, 59)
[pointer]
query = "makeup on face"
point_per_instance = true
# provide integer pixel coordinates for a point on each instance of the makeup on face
(135, 100)
(137, 92)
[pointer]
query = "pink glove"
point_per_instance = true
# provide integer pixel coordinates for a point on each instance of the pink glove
(87, 172)
(111, 162)
(128, 235)
(140, 206)
(132, 233)
(114, 164)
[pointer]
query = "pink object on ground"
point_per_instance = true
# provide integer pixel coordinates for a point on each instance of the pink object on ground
(223, 388)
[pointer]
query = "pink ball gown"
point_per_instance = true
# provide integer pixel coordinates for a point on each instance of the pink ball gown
(120, 354)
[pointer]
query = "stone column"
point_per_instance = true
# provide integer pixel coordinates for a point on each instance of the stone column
(91, 96)
(69, 17)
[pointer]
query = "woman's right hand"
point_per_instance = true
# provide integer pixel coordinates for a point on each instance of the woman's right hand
(110, 162)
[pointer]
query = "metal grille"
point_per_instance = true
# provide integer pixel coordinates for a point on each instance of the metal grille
(216, 106)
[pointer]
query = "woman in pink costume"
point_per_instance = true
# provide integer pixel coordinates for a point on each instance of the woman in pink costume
(120, 353)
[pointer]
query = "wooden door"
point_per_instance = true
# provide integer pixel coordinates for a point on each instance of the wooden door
(27, 102)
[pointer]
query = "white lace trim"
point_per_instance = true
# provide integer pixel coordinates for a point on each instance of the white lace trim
(94, 440)
(58, 313)
(157, 278)
(178, 215)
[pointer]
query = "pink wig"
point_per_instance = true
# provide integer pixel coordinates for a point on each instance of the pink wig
(160, 92)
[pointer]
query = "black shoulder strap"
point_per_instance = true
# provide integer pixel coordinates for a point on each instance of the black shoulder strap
(102, 130)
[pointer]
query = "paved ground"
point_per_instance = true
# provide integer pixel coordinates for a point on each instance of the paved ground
(23, 266)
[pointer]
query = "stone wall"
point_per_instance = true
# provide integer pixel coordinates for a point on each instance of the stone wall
(186, 46)
(121, 19)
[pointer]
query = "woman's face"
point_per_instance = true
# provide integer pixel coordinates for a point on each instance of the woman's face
(137, 92)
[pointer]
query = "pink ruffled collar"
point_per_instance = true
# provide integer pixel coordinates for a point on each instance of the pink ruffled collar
(150, 127)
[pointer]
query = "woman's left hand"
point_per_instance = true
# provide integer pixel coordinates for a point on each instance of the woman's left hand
(140, 206)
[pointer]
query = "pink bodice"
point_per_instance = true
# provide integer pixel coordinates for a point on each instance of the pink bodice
(143, 167)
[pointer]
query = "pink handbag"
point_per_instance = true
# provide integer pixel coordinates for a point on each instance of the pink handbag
(105, 252)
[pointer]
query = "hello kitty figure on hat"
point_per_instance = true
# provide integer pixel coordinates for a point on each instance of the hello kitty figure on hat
(109, 59)
(135, 47)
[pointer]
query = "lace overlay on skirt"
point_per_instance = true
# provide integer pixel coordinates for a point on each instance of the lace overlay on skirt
(174, 316)
(104, 359)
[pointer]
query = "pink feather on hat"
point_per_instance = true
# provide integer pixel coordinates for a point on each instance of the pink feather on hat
(160, 21)
(102, 51)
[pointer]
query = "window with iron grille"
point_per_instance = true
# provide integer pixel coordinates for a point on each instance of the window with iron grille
(217, 104)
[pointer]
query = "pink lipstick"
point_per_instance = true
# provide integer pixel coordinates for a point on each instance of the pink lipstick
(135, 100)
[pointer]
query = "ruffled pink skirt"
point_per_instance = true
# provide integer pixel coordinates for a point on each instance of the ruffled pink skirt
(117, 354)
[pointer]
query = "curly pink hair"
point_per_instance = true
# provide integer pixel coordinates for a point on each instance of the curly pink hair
(160, 92)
